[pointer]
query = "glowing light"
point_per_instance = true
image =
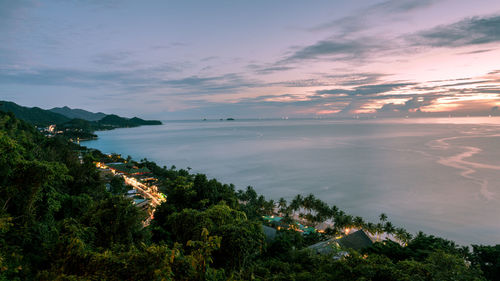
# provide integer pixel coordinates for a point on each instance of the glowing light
(326, 112)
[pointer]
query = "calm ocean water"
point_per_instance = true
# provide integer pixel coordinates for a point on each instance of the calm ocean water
(441, 176)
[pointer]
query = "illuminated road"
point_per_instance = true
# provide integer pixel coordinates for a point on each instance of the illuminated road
(154, 197)
(150, 193)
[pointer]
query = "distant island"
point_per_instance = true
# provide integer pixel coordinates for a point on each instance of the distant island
(76, 124)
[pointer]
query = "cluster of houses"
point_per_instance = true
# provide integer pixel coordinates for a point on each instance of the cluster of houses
(49, 131)
(137, 177)
(357, 240)
(276, 221)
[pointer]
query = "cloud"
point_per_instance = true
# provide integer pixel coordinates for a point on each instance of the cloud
(125, 80)
(367, 90)
(169, 45)
(414, 104)
(354, 48)
(357, 79)
(112, 58)
(470, 31)
(212, 84)
(336, 49)
(14, 12)
(372, 15)
(272, 69)
(476, 52)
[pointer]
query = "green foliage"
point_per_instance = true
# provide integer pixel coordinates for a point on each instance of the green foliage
(115, 221)
(117, 185)
(488, 259)
(241, 239)
(34, 115)
(58, 222)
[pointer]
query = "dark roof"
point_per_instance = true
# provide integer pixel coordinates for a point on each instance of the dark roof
(357, 241)
(325, 247)
(269, 232)
(128, 168)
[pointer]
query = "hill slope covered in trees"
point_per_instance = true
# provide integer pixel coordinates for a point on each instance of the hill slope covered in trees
(58, 222)
(78, 113)
(74, 123)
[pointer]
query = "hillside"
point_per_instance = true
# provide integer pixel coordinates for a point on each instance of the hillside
(33, 115)
(59, 222)
(78, 113)
(117, 121)
(73, 119)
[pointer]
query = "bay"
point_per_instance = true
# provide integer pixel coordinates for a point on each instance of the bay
(441, 176)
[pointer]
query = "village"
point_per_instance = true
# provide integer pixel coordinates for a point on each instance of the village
(144, 194)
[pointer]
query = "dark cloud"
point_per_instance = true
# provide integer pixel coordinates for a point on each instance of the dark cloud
(127, 81)
(14, 12)
(305, 83)
(169, 45)
(465, 83)
(366, 90)
(355, 49)
(214, 84)
(339, 49)
(471, 31)
(86, 78)
(414, 103)
(112, 58)
(372, 14)
(272, 69)
(65, 77)
(357, 79)
(476, 52)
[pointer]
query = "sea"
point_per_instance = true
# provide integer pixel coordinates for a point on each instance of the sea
(436, 175)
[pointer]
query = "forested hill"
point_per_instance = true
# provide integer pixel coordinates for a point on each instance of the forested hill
(78, 113)
(59, 222)
(33, 115)
(66, 117)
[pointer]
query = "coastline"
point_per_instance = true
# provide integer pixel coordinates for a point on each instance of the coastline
(246, 153)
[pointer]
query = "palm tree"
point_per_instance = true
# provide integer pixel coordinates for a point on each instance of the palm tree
(296, 203)
(308, 202)
(359, 222)
(379, 229)
(402, 235)
(269, 207)
(389, 228)
(383, 217)
(334, 211)
(282, 205)
(370, 227)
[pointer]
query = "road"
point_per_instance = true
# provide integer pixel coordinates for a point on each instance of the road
(154, 197)
(150, 193)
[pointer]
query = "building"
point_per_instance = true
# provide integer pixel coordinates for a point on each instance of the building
(277, 222)
(128, 169)
(269, 232)
(356, 241)
(141, 202)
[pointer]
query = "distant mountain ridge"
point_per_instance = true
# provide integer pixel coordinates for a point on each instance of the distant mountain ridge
(33, 115)
(67, 118)
(78, 113)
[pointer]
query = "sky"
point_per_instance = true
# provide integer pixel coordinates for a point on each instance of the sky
(253, 59)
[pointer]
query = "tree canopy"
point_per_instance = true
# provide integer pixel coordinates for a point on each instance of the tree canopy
(58, 222)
